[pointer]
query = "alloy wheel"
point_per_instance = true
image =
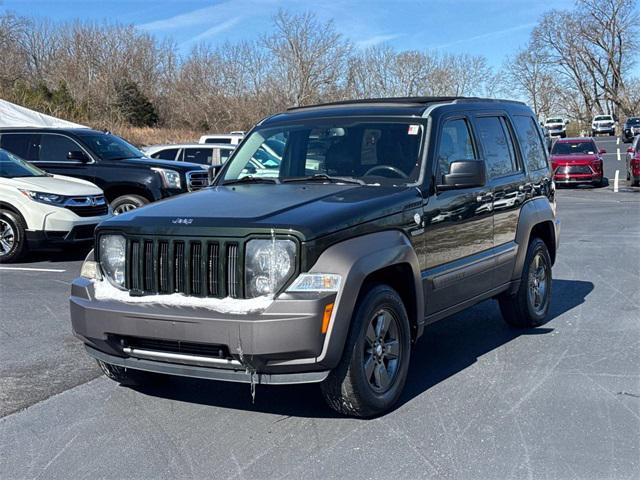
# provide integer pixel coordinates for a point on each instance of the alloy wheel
(538, 291)
(124, 207)
(383, 350)
(7, 237)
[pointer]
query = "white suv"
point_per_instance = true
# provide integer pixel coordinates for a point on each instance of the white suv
(603, 124)
(233, 138)
(557, 126)
(39, 209)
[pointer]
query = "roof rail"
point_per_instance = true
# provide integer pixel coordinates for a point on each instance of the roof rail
(406, 100)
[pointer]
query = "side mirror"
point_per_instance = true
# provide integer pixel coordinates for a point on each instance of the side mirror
(602, 151)
(464, 174)
(212, 171)
(78, 155)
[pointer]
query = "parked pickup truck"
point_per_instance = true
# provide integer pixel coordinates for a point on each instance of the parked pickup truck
(128, 178)
(382, 216)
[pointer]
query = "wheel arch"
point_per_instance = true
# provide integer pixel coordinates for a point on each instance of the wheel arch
(383, 257)
(114, 191)
(12, 209)
(537, 219)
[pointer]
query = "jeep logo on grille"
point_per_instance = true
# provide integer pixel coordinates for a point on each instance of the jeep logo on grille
(183, 221)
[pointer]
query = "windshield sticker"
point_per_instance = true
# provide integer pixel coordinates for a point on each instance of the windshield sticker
(414, 129)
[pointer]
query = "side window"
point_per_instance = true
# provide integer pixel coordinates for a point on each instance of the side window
(55, 148)
(224, 153)
(533, 149)
(497, 145)
(18, 144)
(168, 154)
(455, 144)
(197, 155)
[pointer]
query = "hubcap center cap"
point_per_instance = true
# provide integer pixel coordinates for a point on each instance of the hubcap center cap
(379, 350)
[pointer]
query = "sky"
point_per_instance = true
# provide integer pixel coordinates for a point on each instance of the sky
(493, 28)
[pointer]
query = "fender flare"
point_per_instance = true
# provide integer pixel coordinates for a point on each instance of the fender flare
(355, 259)
(534, 212)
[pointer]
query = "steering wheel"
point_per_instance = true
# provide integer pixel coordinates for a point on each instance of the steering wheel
(391, 168)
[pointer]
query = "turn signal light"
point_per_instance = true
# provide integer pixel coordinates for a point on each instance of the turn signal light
(326, 317)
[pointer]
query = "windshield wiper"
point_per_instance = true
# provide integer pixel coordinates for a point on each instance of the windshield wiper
(250, 179)
(323, 177)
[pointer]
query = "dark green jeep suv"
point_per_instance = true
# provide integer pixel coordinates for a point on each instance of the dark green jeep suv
(323, 260)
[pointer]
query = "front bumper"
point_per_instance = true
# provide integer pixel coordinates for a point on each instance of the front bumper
(78, 234)
(576, 178)
(283, 339)
(597, 129)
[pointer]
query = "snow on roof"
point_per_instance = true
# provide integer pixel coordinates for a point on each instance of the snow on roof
(12, 115)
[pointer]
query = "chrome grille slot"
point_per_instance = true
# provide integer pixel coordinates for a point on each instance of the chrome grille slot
(134, 266)
(232, 270)
(212, 269)
(148, 285)
(163, 267)
(178, 268)
(196, 268)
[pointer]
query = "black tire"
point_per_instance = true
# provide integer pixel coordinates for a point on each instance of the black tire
(348, 389)
(599, 183)
(128, 376)
(520, 309)
(611, 134)
(13, 243)
(125, 203)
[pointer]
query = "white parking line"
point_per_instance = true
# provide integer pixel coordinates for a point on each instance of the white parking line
(615, 181)
(618, 141)
(25, 269)
(618, 152)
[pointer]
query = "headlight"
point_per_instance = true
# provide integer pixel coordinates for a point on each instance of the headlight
(268, 266)
(170, 178)
(42, 197)
(112, 257)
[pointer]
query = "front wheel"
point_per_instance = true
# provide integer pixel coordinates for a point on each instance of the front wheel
(12, 237)
(371, 375)
(528, 307)
(126, 203)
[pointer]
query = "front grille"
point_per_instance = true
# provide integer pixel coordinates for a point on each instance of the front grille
(174, 346)
(189, 266)
(96, 211)
(197, 180)
(569, 169)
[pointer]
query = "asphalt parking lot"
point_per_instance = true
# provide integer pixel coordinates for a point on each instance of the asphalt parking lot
(482, 400)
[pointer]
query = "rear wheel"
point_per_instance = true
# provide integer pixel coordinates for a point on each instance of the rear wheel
(371, 375)
(12, 237)
(528, 307)
(126, 203)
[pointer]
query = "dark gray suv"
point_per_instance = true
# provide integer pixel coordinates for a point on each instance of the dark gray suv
(325, 263)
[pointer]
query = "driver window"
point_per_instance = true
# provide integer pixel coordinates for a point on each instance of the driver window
(455, 144)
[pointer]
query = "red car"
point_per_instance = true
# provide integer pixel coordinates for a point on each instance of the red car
(577, 161)
(633, 163)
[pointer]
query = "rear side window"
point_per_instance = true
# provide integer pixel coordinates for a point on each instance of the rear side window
(168, 154)
(531, 145)
(18, 144)
(497, 145)
(455, 144)
(55, 148)
(217, 140)
(197, 155)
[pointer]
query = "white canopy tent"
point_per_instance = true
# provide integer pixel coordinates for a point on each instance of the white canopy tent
(12, 115)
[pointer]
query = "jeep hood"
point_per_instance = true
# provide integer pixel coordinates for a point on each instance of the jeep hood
(310, 210)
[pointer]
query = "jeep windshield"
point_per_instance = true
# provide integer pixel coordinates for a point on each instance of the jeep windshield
(110, 147)
(12, 166)
(340, 151)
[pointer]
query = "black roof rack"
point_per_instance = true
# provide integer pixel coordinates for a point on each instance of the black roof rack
(405, 100)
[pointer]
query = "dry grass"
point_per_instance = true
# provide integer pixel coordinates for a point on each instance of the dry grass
(144, 136)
